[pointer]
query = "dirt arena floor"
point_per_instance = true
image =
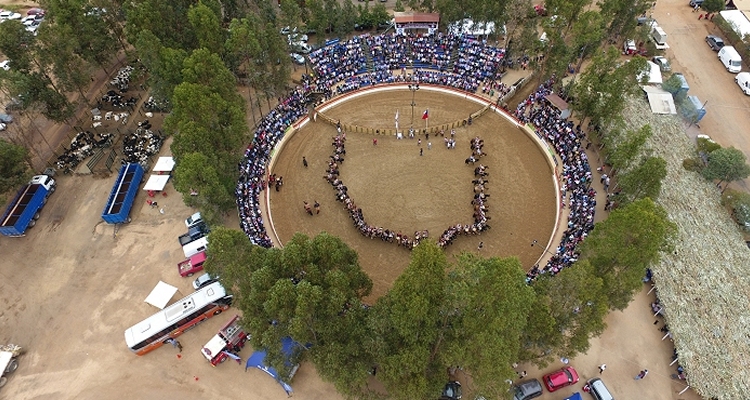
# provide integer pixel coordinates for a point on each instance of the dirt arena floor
(403, 191)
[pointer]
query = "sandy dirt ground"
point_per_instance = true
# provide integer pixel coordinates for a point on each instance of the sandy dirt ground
(71, 286)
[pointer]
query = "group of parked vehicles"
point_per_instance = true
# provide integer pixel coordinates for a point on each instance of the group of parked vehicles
(559, 379)
(209, 299)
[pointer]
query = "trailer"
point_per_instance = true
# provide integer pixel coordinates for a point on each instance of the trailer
(23, 211)
(123, 194)
(226, 344)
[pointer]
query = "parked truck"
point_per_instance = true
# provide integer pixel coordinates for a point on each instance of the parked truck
(225, 344)
(122, 196)
(23, 211)
(8, 361)
(659, 37)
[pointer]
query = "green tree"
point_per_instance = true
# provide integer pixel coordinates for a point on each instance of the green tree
(481, 323)
(587, 33)
(168, 20)
(312, 290)
(196, 171)
(625, 147)
(602, 88)
(620, 16)
(291, 13)
(399, 6)
(206, 68)
(713, 6)
(207, 28)
(621, 247)
(403, 325)
(13, 167)
(577, 303)
(642, 181)
(726, 164)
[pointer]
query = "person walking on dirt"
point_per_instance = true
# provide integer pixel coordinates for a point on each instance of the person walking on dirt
(641, 375)
(317, 207)
(304, 161)
(602, 368)
(307, 207)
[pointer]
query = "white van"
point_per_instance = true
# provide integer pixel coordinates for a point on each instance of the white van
(731, 59)
(195, 247)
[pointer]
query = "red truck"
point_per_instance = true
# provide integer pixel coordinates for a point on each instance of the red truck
(225, 344)
(192, 265)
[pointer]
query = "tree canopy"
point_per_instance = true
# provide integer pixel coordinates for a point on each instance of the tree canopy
(621, 247)
(726, 165)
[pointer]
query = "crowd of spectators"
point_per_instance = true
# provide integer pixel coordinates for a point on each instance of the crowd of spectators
(458, 61)
(576, 175)
(252, 168)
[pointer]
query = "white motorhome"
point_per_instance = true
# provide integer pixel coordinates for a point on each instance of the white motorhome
(731, 59)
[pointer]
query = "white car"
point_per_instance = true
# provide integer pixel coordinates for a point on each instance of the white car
(298, 37)
(297, 58)
(301, 47)
(743, 81)
(5, 64)
(15, 16)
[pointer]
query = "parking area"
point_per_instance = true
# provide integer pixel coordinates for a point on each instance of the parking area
(728, 108)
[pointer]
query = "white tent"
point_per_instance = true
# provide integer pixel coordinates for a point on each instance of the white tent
(737, 20)
(164, 164)
(156, 182)
(160, 296)
(652, 75)
(660, 101)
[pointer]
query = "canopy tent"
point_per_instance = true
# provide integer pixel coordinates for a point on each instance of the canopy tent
(164, 164)
(737, 20)
(574, 396)
(652, 75)
(258, 358)
(660, 101)
(160, 296)
(156, 183)
(560, 104)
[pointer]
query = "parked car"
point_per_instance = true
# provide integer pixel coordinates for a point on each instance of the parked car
(6, 119)
(561, 378)
(5, 64)
(598, 390)
(527, 390)
(743, 80)
(301, 47)
(297, 37)
(452, 391)
(663, 63)
(297, 58)
(714, 42)
(36, 11)
(202, 281)
(629, 48)
(286, 30)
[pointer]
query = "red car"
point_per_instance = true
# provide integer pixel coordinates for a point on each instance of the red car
(561, 378)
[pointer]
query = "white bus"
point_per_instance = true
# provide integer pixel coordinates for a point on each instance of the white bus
(172, 321)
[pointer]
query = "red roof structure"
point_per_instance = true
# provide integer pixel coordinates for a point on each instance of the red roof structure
(412, 17)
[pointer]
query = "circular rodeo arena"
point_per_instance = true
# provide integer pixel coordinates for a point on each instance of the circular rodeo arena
(419, 180)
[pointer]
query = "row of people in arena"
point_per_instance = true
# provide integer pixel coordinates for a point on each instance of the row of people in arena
(576, 175)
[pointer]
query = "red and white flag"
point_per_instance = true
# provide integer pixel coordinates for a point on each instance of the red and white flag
(426, 114)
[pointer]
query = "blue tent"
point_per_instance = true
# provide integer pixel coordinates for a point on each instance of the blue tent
(258, 358)
(574, 396)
